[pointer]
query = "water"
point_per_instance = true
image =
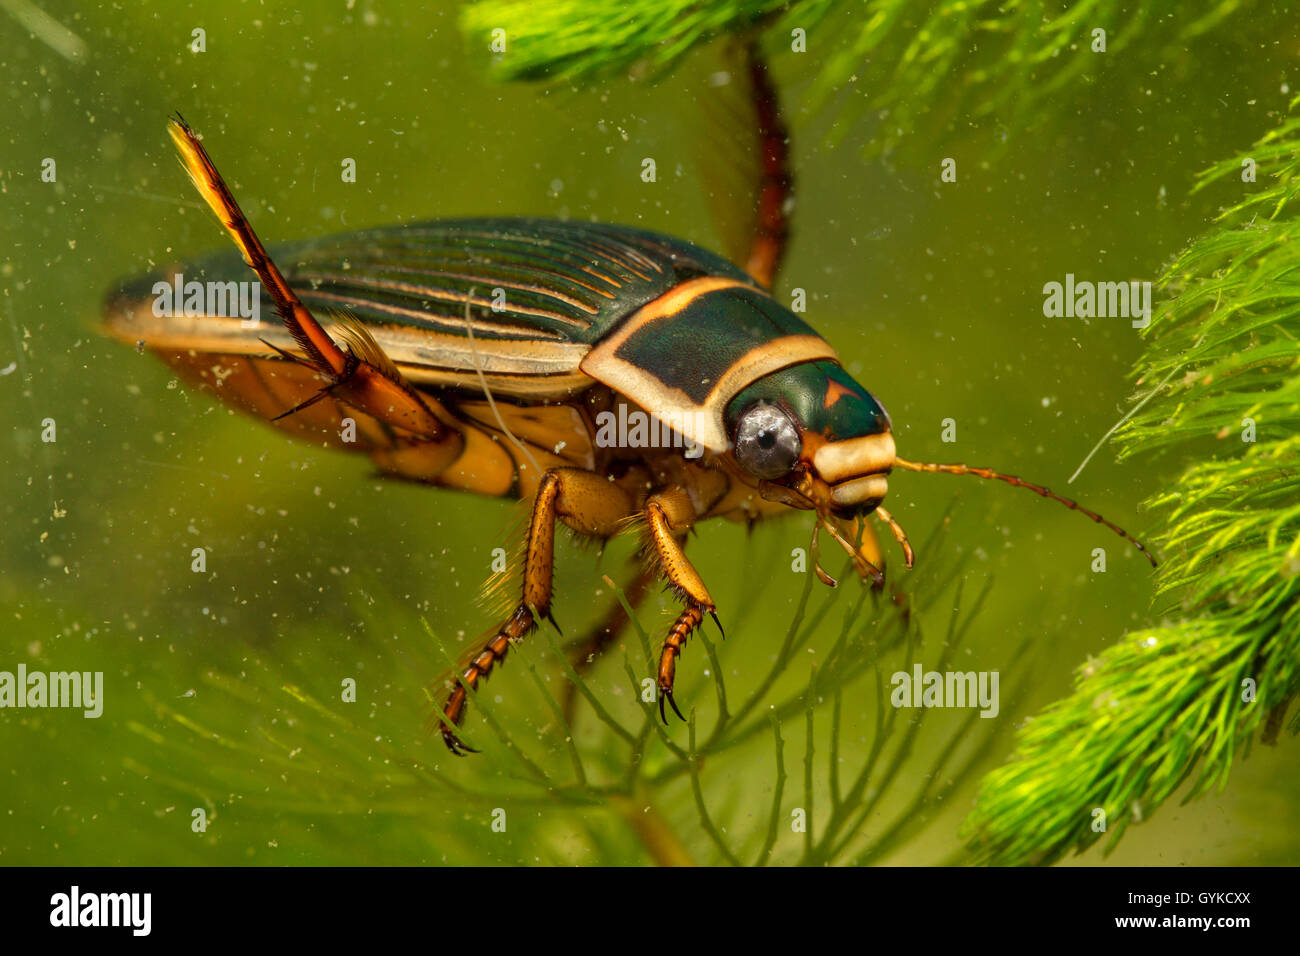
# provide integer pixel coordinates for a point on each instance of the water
(317, 573)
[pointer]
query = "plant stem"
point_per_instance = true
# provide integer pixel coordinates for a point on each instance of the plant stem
(652, 830)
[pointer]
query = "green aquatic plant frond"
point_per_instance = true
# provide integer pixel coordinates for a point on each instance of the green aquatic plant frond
(918, 67)
(581, 39)
(1177, 704)
(776, 763)
(908, 63)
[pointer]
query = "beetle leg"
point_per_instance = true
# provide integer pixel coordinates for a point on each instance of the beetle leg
(869, 550)
(909, 556)
(866, 545)
(669, 516)
(776, 181)
(682, 629)
(586, 502)
(362, 376)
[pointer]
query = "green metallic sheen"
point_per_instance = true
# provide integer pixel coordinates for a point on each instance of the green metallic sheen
(562, 281)
(801, 390)
(691, 349)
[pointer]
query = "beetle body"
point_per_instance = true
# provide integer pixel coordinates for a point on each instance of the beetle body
(592, 325)
(560, 322)
(612, 377)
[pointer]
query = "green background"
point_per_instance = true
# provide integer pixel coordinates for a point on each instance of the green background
(317, 572)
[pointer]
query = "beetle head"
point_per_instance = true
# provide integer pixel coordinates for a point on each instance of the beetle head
(813, 438)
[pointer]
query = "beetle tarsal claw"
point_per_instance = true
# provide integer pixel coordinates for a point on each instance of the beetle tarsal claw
(665, 693)
(457, 746)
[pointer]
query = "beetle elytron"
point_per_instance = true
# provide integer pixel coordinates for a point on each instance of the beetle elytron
(448, 385)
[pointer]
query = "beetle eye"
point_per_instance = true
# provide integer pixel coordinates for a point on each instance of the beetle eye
(767, 442)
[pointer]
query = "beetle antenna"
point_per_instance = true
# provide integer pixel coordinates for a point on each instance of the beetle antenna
(1040, 490)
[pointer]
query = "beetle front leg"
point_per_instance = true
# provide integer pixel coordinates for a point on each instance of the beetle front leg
(866, 547)
(682, 629)
(585, 502)
(669, 516)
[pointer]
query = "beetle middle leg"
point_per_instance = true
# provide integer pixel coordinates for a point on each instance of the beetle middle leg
(670, 515)
(586, 502)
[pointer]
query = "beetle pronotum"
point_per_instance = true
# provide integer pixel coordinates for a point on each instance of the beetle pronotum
(451, 386)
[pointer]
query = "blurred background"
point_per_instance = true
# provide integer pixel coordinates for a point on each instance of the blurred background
(222, 688)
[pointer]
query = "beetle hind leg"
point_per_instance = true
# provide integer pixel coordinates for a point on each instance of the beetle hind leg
(362, 375)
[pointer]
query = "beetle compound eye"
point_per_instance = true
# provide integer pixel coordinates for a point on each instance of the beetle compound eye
(767, 442)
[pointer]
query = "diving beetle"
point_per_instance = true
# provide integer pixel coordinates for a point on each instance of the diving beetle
(480, 354)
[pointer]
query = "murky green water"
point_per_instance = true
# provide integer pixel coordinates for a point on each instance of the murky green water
(223, 688)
